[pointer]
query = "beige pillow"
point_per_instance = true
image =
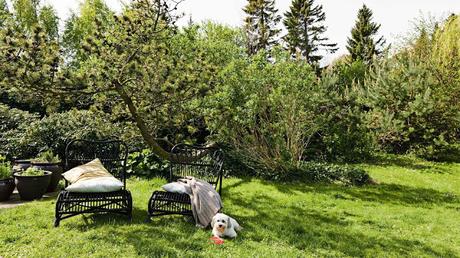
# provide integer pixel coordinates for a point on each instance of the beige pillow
(91, 177)
(92, 169)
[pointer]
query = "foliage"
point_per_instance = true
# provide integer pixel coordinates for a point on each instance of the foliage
(81, 26)
(345, 136)
(265, 110)
(362, 45)
(349, 73)
(27, 24)
(136, 75)
(49, 21)
(260, 25)
(328, 173)
(14, 124)
(146, 164)
(26, 13)
(141, 62)
(4, 12)
(53, 132)
(32, 172)
(412, 96)
(5, 169)
(29, 62)
(47, 156)
(305, 25)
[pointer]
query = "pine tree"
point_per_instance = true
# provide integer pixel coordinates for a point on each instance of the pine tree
(4, 12)
(261, 24)
(304, 23)
(26, 13)
(362, 45)
(49, 20)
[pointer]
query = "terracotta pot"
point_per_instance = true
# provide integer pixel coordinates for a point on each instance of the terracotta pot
(54, 168)
(32, 187)
(21, 164)
(6, 189)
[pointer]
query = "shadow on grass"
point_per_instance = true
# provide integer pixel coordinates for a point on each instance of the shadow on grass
(296, 225)
(165, 235)
(381, 193)
(310, 229)
(409, 163)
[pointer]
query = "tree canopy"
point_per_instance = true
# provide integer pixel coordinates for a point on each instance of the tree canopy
(305, 25)
(362, 45)
(261, 25)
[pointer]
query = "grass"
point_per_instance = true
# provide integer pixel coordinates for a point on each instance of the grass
(414, 211)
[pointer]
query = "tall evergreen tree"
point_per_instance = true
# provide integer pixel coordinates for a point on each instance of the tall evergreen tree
(4, 12)
(362, 45)
(305, 25)
(26, 13)
(261, 24)
(49, 20)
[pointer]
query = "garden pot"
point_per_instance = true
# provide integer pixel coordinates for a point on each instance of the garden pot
(6, 189)
(21, 164)
(32, 187)
(54, 168)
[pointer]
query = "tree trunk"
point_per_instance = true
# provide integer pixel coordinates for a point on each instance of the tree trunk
(146, 134)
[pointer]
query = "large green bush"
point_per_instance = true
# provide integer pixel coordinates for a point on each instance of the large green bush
(344, 137)
(14, 123)
(146, 164)
(266, 110)
(54, 131)
(413, 96)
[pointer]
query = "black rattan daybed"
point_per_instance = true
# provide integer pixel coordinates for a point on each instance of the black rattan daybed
(113, 155)
(208, 167)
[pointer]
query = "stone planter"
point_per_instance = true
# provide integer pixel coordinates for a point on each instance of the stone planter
(6, 189)
(32, 187)
(54, 168)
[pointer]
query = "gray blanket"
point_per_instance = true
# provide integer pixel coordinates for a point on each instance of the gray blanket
(206, 201)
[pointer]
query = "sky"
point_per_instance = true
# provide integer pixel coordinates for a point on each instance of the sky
(395, 16)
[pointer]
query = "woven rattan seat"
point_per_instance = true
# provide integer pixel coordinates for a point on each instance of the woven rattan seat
(113, 155)
(208, 167)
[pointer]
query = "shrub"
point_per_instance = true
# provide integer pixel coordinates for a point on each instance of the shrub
(54, 131)
(14, 123)
(344, 136)
(330, 173)
(413, 95)
(146, 164)
(444, 153)
(266, 111)
(33, 172)
(47, 156)
(5, 169)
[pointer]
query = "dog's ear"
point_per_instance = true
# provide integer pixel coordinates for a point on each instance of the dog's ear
(213, 221)
(229, 222)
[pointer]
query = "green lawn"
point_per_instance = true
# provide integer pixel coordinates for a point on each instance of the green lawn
(414, 211)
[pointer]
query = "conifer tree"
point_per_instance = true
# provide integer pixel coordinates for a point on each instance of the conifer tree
(362, 45)
(4, 12)
(305, 25)
(26, 13)
(261, 24)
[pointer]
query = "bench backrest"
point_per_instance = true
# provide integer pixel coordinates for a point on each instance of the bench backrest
(113, 155)
(207, 167)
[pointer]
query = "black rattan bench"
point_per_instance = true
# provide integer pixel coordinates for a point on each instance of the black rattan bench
(113, 155)
(208, 167)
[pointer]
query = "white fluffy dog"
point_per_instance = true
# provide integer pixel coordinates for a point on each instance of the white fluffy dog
(224, 226)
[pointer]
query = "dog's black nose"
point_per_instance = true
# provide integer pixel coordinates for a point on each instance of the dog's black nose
(220, 226)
